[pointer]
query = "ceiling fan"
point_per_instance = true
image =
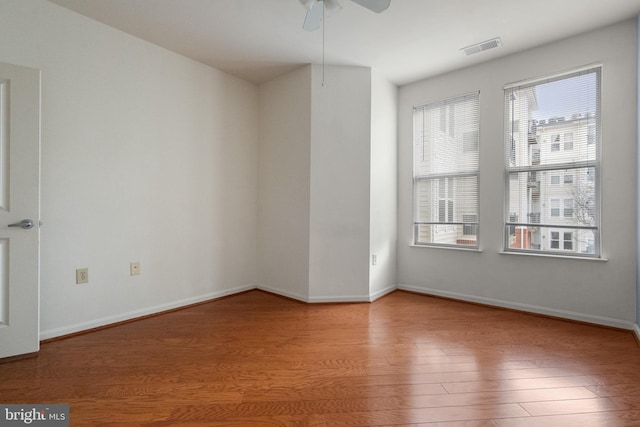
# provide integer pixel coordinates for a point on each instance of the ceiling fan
(316, 8)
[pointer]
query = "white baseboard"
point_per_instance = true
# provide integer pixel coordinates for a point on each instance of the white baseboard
(379, 294)
(636, 329)
(344, 298)
(348, 298)
(354, 298)
(571, 315)
(282, 292)
(105, 321)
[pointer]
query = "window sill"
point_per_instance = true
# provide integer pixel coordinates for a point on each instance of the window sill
(453, 248)
(560, 256)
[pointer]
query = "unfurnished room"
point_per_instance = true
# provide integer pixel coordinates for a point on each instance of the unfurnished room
(319, 213)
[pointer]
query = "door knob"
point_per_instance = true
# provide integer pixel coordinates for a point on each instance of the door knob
(25, 223)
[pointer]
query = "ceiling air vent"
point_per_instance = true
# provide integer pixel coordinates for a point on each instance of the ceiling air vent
(481, 47)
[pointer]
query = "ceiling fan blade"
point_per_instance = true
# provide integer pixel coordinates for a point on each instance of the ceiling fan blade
(377, 6)
(314, 17)
(307, 3)
(331, 6)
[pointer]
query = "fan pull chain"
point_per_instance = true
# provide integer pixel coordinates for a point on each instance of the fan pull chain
(323, 9)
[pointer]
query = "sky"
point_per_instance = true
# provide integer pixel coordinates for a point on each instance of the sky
(563, 98)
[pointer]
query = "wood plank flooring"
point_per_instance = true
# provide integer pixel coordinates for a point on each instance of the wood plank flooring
(406, 359)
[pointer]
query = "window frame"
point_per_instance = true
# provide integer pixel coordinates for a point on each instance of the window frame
(594, 136)
(446, 125)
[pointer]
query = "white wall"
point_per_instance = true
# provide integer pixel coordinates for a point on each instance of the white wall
(340, 171)
(319, 214)
(146, 156)
(637, 326)
(284, 186)
(596, 291)
(384, 185)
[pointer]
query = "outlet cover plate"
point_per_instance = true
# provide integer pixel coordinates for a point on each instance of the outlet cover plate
(82, 276)
(134, 268)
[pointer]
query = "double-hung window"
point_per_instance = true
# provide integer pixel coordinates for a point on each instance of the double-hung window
(445, 179)
(551, 181)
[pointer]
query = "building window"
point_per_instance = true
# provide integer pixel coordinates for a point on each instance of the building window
(445, 200)
(568, 241)
(568, 141)
(470, 228)
(563, 144)
(555, 207)
(568, 208)
(445, 182)
(565, 244)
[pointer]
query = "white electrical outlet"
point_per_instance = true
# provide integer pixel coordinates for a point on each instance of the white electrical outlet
(82, 276)
(134, 268)
(374, 259)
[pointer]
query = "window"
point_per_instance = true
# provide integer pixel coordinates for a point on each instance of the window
(445, 201)
(555, 207)
(568, 208)
(469, 228)
(568, 141)
(562, 147)
(566, 243)
(445, 182)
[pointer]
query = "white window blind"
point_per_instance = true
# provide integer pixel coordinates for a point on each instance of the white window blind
(552, 146)
(445, 184)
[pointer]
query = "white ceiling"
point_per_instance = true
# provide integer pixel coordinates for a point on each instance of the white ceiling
(258, 40)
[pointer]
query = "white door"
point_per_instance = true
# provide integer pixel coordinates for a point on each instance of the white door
(19, 200)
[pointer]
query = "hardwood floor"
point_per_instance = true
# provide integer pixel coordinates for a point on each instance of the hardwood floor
(406, 359)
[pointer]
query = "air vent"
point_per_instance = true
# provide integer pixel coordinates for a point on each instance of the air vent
(481, 47)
